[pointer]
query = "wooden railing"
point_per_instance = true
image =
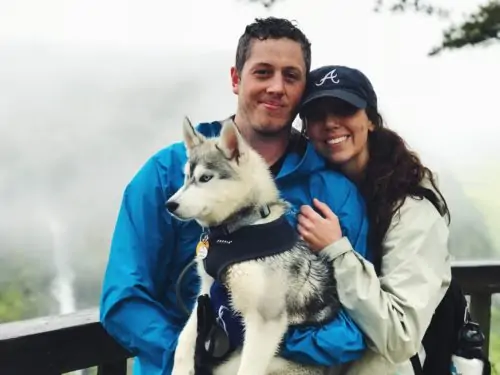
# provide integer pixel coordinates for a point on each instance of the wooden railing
(479, 280)
(60, 344)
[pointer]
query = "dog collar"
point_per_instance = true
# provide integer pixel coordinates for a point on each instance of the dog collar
(244, 217)
(246, 243)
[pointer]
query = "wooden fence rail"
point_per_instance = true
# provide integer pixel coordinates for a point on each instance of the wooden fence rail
(59, 344)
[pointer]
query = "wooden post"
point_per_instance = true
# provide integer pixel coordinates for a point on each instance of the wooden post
(480, 311)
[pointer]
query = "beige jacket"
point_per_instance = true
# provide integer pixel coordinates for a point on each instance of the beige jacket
(395, 310)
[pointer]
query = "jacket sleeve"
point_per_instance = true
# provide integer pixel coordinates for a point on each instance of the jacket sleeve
(339, 341)
(395, 310)
(129, 307)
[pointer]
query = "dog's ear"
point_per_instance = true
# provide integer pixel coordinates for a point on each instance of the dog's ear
(231, 142)
(192, 138)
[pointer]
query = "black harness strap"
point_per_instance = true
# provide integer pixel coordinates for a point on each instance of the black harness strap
(417, 366)
(248, 243)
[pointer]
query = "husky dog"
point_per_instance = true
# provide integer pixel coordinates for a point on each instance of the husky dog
(228, 185)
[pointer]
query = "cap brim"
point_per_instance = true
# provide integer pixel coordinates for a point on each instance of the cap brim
(347, 96)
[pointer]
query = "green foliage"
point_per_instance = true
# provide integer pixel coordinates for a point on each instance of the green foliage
(495, 354)
(266, 3)
(12, 304)
(481, 26)
(24, 289)
(412, 5)
(495, 341)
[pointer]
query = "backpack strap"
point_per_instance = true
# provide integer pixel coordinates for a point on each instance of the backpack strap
(417, 366)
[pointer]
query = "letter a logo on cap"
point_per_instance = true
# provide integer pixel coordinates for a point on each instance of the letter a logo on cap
(331, 75)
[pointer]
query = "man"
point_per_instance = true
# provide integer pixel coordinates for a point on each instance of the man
(150, 248)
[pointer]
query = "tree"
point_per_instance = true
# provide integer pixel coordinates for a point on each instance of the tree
(24, 287)
(478, 28)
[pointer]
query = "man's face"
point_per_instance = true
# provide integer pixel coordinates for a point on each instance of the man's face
(270, 85)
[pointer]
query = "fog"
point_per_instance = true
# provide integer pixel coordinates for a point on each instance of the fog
(84, 103)
(76, 127)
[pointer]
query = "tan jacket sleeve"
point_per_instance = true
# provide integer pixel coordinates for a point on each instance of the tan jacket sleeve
(395, 310)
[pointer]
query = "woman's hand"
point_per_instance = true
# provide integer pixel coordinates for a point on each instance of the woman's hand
(318, 230)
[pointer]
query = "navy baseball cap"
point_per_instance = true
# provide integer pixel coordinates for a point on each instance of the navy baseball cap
(336, 81)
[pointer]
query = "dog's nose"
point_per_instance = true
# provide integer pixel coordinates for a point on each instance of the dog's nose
(172, 206)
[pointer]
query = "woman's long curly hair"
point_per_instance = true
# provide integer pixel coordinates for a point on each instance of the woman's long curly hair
(393, 172)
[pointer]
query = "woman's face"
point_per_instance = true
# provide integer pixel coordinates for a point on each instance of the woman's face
(339, 131)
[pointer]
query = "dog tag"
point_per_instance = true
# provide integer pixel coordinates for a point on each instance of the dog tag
(202, 249)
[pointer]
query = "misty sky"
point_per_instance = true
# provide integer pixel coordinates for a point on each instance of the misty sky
(90, 88)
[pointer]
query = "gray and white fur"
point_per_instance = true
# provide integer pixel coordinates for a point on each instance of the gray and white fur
(224, 175)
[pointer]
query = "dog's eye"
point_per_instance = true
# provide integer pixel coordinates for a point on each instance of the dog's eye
(205, 178)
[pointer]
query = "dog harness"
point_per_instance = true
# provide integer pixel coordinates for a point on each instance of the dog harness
(250, 242)
(220, 247)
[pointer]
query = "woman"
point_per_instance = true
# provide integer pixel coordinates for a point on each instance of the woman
(392, 299)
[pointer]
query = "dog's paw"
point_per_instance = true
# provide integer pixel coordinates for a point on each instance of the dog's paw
(183, 368)
(183, 363)
(177, 371)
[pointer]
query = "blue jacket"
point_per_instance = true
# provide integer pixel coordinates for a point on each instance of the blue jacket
(150, 249)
